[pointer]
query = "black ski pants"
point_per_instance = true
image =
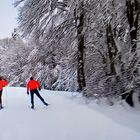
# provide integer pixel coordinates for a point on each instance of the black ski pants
(35, 91)
(0, 97)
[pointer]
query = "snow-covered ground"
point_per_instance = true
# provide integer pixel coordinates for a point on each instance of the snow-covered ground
(64, 119)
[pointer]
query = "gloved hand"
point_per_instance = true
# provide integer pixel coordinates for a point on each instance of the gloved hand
(39, 88)
(28, 92)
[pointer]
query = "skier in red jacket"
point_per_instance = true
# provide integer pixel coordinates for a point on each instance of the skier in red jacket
(3, 83)
(33, 86)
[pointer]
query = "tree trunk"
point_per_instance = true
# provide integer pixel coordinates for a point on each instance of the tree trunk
(133, 11)
(112, 49)
(81, 52)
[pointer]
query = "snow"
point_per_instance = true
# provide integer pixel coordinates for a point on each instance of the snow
(67, 118)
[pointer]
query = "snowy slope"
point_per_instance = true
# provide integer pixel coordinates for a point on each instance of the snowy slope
(64, 119)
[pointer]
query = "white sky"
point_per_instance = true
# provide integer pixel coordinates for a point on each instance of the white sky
(8, 18)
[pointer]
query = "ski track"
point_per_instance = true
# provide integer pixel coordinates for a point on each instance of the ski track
(64, 119)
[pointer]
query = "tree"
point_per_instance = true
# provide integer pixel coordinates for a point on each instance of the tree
(91, 45)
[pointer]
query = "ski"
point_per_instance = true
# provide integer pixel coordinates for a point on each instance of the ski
(2, 108)
(32, 108)
(35, 109)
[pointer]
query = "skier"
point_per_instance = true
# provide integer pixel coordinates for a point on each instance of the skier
(3, 83)
(33, 86)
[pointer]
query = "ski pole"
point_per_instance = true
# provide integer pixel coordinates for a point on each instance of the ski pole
(6, 97)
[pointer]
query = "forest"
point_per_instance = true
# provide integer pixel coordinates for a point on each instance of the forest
(89, 46)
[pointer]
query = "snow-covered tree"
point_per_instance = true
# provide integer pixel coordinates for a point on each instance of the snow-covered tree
(83, 45)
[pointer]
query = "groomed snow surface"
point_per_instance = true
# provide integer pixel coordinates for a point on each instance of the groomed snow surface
(67, 118)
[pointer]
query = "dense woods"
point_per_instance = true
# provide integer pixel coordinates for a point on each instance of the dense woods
(76, 45)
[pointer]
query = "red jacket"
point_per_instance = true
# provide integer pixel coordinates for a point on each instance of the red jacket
(33, 84)
(3, 83)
